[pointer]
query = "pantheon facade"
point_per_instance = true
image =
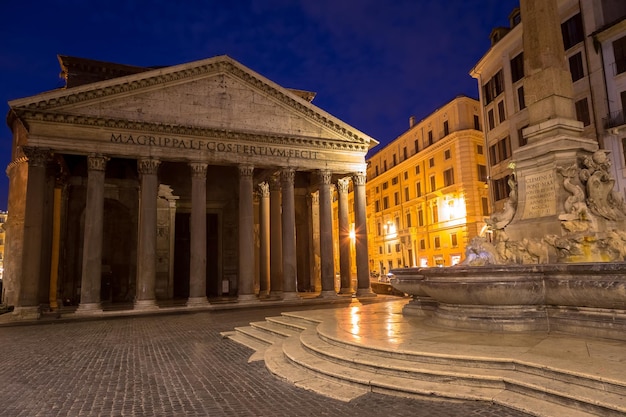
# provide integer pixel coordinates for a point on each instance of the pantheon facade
(200, 182)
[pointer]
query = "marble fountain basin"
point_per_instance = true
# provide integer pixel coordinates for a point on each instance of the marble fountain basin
(587, 298)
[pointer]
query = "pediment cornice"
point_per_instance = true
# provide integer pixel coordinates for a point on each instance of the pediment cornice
(29, 115)
(42, 104)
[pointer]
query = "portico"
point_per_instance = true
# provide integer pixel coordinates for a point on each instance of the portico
(198, 181)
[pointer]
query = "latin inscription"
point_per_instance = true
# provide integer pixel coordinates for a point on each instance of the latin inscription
(540, 195)
(212, 146)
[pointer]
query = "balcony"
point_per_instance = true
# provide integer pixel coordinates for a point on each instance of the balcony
(614, 119)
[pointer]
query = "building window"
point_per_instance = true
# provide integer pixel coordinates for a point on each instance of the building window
(406, 175)
(500, 151)
(479, 149)
(485, 206)
(446, 154)
(517, 67)
(394, 180)
(431, 162)
(416, 144)
(398, 247)
(376, 170)
(446, 128)
(520, 98)
(501, 188)
(385, 185)
(418, 189)
(422, 244)
(380, 250)
(482, 173)
(433, 184)
(619, 53)
(417, 169)
(405, 153)
(420, 217)
(389, 251)
(501, 112)
(377, 205)
(385, 203)
(476, 122)
(397, 223)
(408, 220)
(582, 112)
(437, 242)
(379, 229)
(448, 177)
(396, 198)
(384, 166)
(454, 240)
(493, 88)
(430, 137)
(406, 194)
(491, 119)
(395, 161)
(521, 139)
(572, 30)
(435, 213)
(576, 66)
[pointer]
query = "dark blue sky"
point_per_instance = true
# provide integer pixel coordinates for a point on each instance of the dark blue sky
(372, 63)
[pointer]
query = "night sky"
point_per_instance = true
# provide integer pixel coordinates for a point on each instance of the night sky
(373, 64)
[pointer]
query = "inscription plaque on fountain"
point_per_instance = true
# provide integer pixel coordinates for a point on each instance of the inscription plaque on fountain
(540, 195)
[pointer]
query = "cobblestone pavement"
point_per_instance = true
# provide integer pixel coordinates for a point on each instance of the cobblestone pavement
(172, 365)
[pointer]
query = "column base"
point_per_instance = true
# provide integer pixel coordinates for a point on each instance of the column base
(291, 295)
(89, 309)
(26, 313)
(346, 291)
(275, 295)
(247, 298)
(197, 302)
(365, 293)
(145, 305)
(328, 294)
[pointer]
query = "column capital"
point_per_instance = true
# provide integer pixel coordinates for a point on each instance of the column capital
(287, 176)
(246, 170)
(96, 162)
(324, 176)
(36, 156)
(148, 166)
(274, 183)
(315, 197)
(198, 169)
(343, 184)
(264, 189)
(359, 178)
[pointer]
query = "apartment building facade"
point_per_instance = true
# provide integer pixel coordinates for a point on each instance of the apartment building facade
(594, 39)
(427, 190)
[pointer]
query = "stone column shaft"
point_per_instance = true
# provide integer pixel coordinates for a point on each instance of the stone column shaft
(246, 234)
(360, 231)
(197, 261)
(146, 250)
(326, 236)
(264, 221)
(276, 241)
(28, 299)
(92, 242)
(344, 237)
(290, 262)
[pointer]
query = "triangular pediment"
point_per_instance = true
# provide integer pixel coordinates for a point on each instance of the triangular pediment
(217, 94)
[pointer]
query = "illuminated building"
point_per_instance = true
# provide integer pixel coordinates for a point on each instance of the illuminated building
(594, 37)
(426, 190)
(3, 219)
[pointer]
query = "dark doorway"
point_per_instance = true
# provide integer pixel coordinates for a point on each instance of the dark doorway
(182, 248)
(118, 277)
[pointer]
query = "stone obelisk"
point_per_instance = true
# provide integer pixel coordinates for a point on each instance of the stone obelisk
(553, 135)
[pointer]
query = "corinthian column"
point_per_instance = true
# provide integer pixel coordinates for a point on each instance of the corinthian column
(92, 241)
(28, 300)
(264, 261)
(326, 236)
(344, 236)
(197, 261)
(360, 237)
(146, 250)
(290, 262)
(246, 234)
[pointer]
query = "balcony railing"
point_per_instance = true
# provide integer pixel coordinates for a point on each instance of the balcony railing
(614, 119)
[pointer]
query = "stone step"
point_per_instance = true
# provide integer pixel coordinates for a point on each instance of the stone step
(291, 322)
(556, 388)
(275, 328)
(263, 336)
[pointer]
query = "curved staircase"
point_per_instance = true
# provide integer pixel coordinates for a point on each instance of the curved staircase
(308, 352)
